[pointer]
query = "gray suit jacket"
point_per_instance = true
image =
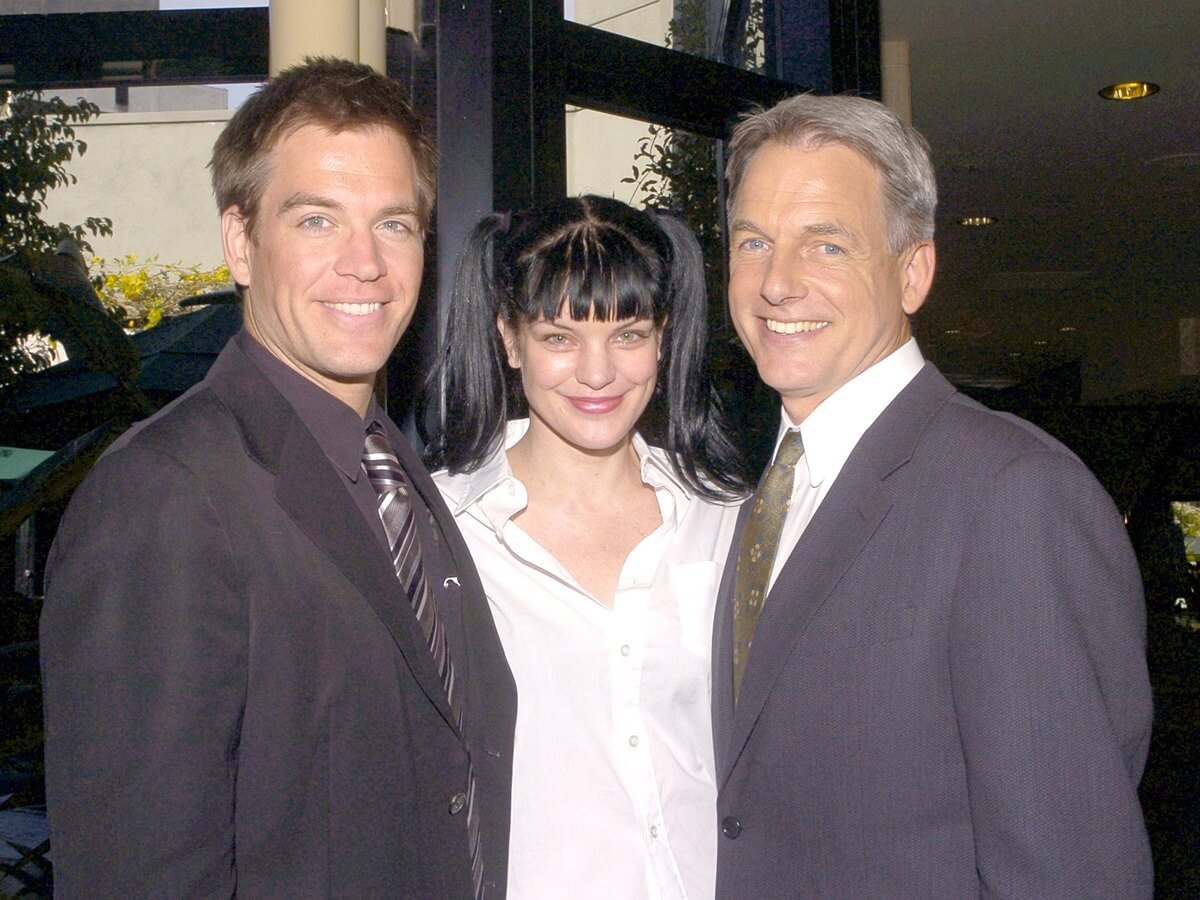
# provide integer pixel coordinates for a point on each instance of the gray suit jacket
(238, 696)
(947, 692)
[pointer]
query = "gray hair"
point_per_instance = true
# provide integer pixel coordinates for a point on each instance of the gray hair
(897, 151)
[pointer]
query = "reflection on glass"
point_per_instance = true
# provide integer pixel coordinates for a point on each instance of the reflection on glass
(678, 25)
(638, 19)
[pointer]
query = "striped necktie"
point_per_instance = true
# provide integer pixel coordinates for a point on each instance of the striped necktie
(400, 526)
(756, 552)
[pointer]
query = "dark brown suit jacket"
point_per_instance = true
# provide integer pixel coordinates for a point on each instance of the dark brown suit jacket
(238, 696)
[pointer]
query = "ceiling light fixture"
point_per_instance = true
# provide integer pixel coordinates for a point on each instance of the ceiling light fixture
(1128, 90)
(976, 221)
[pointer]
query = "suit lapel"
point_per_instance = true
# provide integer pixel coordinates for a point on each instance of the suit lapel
(310, 490)
(838, 534)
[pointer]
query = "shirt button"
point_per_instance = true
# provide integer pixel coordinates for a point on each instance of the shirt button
(731, 827)
(653, 831)
(626, 649)
(458, 803)
(633, 740)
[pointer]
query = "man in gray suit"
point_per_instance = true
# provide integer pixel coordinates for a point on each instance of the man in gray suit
(930, 677)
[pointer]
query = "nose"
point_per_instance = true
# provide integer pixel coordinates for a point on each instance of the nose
(783, 279)
(360, 257)
(594, 367)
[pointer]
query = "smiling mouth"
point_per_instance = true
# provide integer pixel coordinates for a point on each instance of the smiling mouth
(595, 404)
(354, 309)
(794, 327)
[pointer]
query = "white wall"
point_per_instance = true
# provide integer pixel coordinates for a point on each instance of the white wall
(148, 173)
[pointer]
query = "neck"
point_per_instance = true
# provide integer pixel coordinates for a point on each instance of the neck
(543, 460)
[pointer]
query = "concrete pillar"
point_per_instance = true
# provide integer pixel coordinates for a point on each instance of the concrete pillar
(372, 34)
(301, 28)
(897, 78)
(402, 15)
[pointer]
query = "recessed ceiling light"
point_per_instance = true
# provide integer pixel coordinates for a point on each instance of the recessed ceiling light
(1040, 343)
(976, 221)
(1067, 328)
(952, 331)
(1128, 90)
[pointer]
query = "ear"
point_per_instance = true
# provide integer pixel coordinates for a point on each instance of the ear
(235, 243)
(509, 336)
(918, 275)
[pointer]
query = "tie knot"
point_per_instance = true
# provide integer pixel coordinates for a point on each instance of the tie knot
(380, 463)
(790, 449)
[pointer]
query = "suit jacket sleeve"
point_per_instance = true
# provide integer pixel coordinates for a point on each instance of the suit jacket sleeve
(144, 659)
(1049, 682)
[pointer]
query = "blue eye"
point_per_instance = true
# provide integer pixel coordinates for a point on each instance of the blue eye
(315, 222)
(754, 244)
(398, 226)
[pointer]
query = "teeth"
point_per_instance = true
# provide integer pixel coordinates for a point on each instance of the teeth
(354, 309)
(793, 327)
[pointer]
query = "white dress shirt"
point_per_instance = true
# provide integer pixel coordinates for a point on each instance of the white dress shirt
(832, 431)
(613, 788)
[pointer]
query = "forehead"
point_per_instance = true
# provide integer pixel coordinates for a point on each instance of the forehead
(313, 152)
(782, 177)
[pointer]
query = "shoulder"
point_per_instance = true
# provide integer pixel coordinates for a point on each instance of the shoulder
(946, 424)
(997, 439)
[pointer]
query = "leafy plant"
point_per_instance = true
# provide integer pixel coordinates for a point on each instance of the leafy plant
(143, 292)
(37, 141)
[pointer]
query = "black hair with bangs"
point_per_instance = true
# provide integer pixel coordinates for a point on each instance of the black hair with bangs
(589, 258)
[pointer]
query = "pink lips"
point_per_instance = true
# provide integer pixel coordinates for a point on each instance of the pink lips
(595, 405)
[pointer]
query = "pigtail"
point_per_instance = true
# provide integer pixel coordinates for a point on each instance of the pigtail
(695, 439)
(469, 380)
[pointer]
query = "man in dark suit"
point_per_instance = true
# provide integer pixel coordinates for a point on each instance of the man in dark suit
(241, 693)
(929, 672)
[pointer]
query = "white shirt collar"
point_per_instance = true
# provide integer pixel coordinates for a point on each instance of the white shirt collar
(496, 475)
(834, 428)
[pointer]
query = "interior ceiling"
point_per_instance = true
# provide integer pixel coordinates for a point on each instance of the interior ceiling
(1096, 247)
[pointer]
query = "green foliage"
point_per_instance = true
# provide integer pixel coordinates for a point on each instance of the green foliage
(1187, 517)
(143, 292)
(37, 141)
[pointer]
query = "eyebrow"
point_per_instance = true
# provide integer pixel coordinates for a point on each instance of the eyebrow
(744, 225)
(304, 199)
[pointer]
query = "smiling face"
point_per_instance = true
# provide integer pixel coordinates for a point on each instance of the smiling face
(815, 293)
(334, 264)
(586, 381)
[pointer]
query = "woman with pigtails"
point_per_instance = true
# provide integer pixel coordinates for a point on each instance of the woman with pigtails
(582, 455)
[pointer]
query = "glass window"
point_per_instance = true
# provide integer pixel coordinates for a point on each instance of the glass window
(677, 24)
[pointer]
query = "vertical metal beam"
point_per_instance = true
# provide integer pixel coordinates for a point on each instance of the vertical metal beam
(854, 47)
(529, 131)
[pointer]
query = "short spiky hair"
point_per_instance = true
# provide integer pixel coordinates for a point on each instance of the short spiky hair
(331, 93)
(897, 151)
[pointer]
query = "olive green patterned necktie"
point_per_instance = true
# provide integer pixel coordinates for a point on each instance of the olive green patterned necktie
(756, 552)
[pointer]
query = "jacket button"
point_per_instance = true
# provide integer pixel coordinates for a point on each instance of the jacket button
(730, 827)
(458, 803)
